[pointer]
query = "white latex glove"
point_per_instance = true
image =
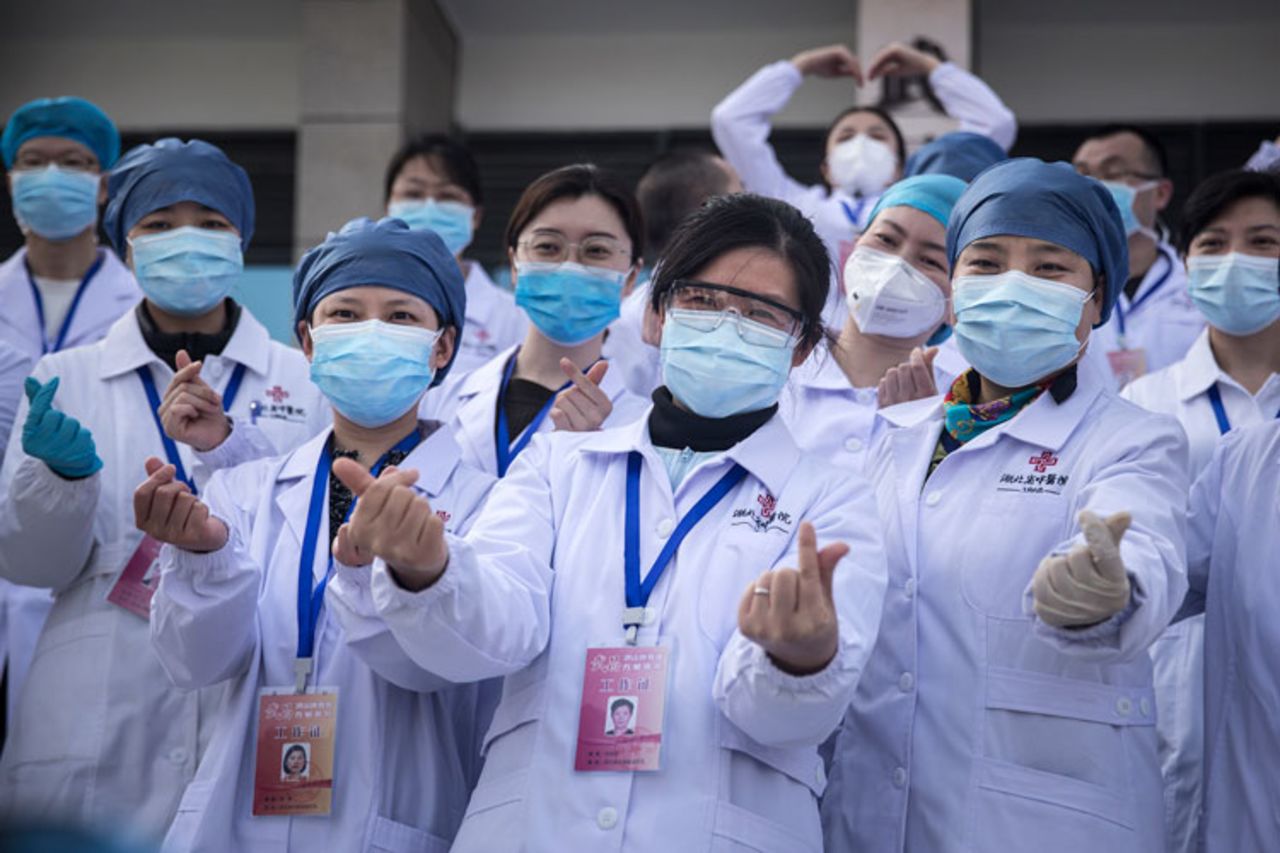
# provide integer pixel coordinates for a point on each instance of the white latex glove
(1089, 584)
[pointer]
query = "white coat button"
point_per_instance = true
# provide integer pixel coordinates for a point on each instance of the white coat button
(909, 588)
(933, 499)
(178, 756)
(664, 528)
(852, 444)
(214, 366)
(906, 682)
(899, 777)
(1124, 706)
(607, 817)
(1145, 705)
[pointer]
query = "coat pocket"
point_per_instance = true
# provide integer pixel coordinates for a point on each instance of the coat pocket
(388, 836)
(495, 815)
(768, 797)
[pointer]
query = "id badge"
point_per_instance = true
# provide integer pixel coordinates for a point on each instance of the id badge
(293, 773)
(1127, 364)
(136, 586)
(624, 691)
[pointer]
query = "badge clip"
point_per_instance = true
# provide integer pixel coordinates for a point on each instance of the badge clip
(632, 619)
(301, 669)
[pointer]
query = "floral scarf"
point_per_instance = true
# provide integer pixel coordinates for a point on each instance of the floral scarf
(966, 419)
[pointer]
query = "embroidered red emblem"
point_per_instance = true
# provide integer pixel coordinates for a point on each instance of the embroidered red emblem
(1043, 462)
(444, 515)
(767, 505)
(277, 394)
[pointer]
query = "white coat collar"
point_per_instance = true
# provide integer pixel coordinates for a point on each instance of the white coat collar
(124, 348)
(488, 377)
(1163, 273)
(1199, 370)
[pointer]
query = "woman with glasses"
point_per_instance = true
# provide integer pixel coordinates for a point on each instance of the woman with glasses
(705, 570)
(574, 241)
(1035, 529)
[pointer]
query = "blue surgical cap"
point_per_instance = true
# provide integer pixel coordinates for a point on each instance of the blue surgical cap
(931, 194)
(387, 253)
(1026, 197)
(150, 177)
(70, 118)
(960, 154)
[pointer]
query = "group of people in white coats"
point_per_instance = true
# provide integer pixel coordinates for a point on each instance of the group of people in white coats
(812, 519)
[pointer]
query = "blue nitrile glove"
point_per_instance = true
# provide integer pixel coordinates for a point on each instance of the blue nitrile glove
(55, 439)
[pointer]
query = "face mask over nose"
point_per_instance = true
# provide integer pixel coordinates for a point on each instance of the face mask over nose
(372, 372)
(55, 203)
(720, 364)
(1237, 293)
(862, 166)
(889, 297)
(187, 271)
(569, 302)
(451, 220)
(1125, 197)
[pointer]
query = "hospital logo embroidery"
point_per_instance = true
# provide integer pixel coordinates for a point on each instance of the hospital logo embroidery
(765, 518)
(1043, 462)
(277, 395)
(1040, 480)
(273, 406)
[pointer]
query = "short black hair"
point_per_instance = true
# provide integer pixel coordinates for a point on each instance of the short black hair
(576, 181)
(743, 220)
(446, 155)
(1157, 156)
(674, 186)
(1218, 192)
(899, 141)
(631, 706)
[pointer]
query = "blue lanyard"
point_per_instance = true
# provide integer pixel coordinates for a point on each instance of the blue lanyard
(153, 397)
(311, 599)
(1168, 271)
(638, 590)
(1220, 411)
(854, 213)
(507, 452)
(46, 346)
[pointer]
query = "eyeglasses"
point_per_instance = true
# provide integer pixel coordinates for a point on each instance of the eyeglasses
(759, 320)
(1118, 175)
(593, 251)
(71, 160)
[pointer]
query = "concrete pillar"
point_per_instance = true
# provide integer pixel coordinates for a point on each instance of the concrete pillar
(373, 72)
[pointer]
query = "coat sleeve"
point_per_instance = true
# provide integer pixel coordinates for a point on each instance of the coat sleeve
(204, 616)
(14, 367)
(974, 104)
(246, 443)
(489, 614)
(1206, 506)
(781, 710)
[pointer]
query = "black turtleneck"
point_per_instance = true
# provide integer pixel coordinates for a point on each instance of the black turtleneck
(197, 344)
(677, 428)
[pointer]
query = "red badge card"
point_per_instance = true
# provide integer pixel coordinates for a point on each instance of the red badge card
(294, 770)
(1127, 364)
(623, 700)
(137, 583)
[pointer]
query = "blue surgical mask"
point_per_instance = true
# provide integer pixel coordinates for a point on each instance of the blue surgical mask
(55, 203)
(1016, 328)
(569, 302)
(1237, 293)
(372, 372)
(452, 220)
(718, 363)
(187, 271)
(1125, 196)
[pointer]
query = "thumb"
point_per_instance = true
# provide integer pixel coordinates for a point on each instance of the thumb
(352, 475)
(828, 558)
(1118, 523)
(153, 464)
(597, 371)
(929, 355)
(182, 359)
(1103, 546)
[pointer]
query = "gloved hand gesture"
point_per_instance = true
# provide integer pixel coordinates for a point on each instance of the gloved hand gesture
(1089, 584)
(54, 438)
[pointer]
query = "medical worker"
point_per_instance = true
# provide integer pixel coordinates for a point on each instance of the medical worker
(960, 154)
(864, 150)
(1232, 541)
(1230, 378)
(242, 596)
(574, 241)
(704, 569)
(899, 301)
(1154, 322)
(14, 367)
(100, 735)
(433, 182)
(1035, 529)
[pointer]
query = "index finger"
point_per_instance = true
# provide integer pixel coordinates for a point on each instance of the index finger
(583, 381)
(807, 556)
(853, 65)
(1102, 546)
(182, 359)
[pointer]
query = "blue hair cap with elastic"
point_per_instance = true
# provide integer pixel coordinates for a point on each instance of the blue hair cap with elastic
(931, 194)
(70, 118)
(961, 154)
(1026, 197)
(168, 171)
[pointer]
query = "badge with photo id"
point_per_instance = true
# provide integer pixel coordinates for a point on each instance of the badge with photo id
(623, 703)
(136, 586)
(293, 773)
(1127, 364)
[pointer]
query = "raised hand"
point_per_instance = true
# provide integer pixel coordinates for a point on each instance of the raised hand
(191, 411)
(791, 613)
(54, 438)
(584, 407)
(901, 60)
(166, 510)
(834, 60)
(394, 522)
(1089, 584)
(911, 380)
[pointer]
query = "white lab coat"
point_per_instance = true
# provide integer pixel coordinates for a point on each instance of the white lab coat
(976, 726)
(638, 363)
(493, 322)
(1232, 541)
(1181, 390)
(540, 578)
(406, 750)
(741, 124)
(100, 735)
(15, 367)
(469, 403)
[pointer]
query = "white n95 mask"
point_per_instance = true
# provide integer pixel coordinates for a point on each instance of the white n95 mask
(862, 165)
(888, 296)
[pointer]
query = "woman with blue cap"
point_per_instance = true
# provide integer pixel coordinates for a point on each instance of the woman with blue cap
(1035, 529)
(255, 566)
(100, 733)
(898, 302)
(960, 154)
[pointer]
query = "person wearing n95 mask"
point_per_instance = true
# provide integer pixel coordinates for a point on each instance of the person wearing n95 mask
(864, 149)
(1034, 525)
(379, 309)
(1229, 379)
(187, 375)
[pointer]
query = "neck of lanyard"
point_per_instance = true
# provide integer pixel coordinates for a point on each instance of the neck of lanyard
(507, 452)
(1220, 411)
(854, 213)
(1133, 306)
(310, 599)
(639, 589)
(153, 398)
(47, 346)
